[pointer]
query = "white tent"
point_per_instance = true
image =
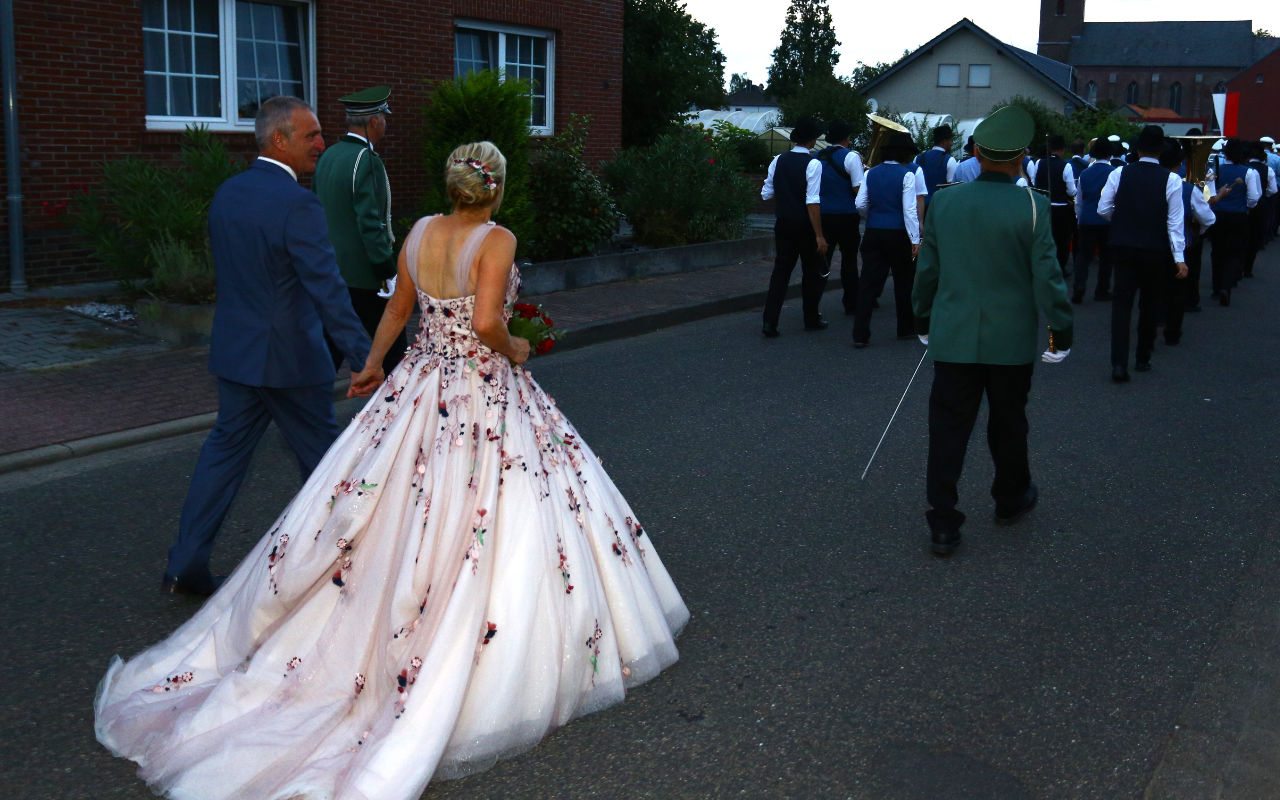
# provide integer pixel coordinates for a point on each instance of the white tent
(755, 121)
(925, 121)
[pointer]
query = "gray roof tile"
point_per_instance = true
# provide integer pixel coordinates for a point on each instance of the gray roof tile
(1169, 44)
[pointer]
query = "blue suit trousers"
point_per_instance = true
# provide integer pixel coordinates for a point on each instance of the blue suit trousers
(304, 416)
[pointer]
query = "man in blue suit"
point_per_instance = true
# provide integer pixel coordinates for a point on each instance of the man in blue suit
(279, 290)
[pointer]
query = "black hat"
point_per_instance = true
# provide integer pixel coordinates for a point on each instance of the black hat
(1151, 140)
(1171, 154)
(806, 130)
(838, 131)
(900, 147)
(942, 133)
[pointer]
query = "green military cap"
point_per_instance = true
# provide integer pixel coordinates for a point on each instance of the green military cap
(367, 102)
(1005, 134)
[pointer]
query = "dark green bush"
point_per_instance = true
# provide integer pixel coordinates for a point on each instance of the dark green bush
(481, 106)
(572, 210)
(750, 151)
(140, 202)
(680, 190)
(181, 274)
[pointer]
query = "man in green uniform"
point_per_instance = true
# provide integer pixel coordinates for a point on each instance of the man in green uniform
(353, 188)
(987, 262)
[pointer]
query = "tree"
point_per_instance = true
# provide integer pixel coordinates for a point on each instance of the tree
(865, 73)
(1263, 33)
(670, 64)
(826, 98)
(806, 50)
(739, 82)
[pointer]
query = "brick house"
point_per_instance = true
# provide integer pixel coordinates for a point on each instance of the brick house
(1168, 64)
(1259, 105)
(105, 78)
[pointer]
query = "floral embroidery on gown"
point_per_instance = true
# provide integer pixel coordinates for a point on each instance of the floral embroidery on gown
(458, 577)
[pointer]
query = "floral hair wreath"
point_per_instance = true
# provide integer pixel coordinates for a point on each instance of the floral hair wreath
(479, 166)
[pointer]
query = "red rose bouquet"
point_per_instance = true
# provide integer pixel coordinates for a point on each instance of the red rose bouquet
(529, 322)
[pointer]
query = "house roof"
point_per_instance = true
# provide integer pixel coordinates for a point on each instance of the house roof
(752, 95)
(1054, 73)
(1169, 44)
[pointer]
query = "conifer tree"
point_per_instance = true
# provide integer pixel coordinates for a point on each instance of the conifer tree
(806, 50)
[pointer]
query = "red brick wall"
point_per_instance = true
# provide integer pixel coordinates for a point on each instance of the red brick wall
(81, 99)
(1197, 98)
(1259, 113)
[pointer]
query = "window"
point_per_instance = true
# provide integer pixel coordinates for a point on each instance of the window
(980, 75)
(1131, 93)
(1091, 92)
(1175, 97)
(520, 53)
(1111, 78)
(948, 74)
(195, 70)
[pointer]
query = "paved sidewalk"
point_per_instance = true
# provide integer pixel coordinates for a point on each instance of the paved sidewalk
(70, 385)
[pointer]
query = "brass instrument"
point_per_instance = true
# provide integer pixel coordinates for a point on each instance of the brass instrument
(1198, 150)
(881, 128)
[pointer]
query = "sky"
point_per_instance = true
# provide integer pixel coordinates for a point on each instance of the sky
(872, 32)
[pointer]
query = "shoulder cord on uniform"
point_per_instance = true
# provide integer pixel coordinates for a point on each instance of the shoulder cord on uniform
(354, 170)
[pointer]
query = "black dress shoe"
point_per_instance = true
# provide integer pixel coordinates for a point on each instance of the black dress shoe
(1224, 298)
(1102, 297)
(817, 325)
(1077, 299)
(1193, 309)
(769, 331)
(859, 344)
(1008, 516)
(1142, 366)
(1172, 341)
(195, 588)
(1120, 373)
(944, 543)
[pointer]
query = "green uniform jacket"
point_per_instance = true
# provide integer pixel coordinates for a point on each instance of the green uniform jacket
(984, 268)
(352, 185)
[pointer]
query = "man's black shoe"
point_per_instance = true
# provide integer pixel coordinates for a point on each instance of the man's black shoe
(817, 325)
(769, 331)
(195, 588)
(1224, 298)
(1172, 341)
(859, 344)
(1102, 297)
(1077, 299)
(1193, 308)
(1142, 366)
(944, 543)
(1120, 373)
(1008, 516)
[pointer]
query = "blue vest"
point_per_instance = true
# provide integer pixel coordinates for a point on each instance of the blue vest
(934, 164)
(1078, 166)
(790, 185)
(1091, 183)
(1237, 202)
(1141, 216)
(884, 197)
(837, 193)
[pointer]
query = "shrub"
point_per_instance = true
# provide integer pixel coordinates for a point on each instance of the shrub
(477, 107)
(750, 151)
(681, 189)
(1084, 124)
(572, 210)
(140, 202)
(181, 274)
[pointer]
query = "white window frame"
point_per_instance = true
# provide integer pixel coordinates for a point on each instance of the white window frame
(949, 85)
(503, 30)
(230, 120)
(986, 85)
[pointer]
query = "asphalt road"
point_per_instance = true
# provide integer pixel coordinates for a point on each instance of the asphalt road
(829, 655)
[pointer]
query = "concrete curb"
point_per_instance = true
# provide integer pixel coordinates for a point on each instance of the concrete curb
(605, 331)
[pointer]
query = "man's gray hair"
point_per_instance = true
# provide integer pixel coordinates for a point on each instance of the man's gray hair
(276, 114)
(359, 120)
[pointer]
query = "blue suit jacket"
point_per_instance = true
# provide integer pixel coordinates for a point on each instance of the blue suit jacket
(278, 284)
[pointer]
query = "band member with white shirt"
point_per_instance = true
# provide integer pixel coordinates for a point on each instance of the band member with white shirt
(1240, 191)
(1197, 218)
(795, 179)
(1094, 230)
(841, 177)
(1144, 203)
(887, 201)
(1054, 175)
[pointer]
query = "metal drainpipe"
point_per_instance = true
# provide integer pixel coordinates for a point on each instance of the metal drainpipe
(17, 267)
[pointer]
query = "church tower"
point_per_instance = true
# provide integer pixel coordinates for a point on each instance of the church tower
(1060, 20)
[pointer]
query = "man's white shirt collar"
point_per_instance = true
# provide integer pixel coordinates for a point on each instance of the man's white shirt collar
(281, 165)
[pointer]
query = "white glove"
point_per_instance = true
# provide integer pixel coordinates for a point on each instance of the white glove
(391, 288)
(924, 338)
(1050, 357)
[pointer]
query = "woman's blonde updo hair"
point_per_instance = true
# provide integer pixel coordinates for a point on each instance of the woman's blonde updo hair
(474, 175)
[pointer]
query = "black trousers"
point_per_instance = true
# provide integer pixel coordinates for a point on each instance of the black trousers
(885, 252)
(794, 240)
(1093, 239)
(1195, 268)
(1144, 273)
(1257, 235)
(953, 408)
(369, 307)
(1230, 236)
(841, 230)
(1063, 219)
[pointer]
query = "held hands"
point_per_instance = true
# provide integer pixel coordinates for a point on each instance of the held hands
(365, 381)
(1054, 356)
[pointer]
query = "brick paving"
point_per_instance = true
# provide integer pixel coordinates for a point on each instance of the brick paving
(65, 377)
